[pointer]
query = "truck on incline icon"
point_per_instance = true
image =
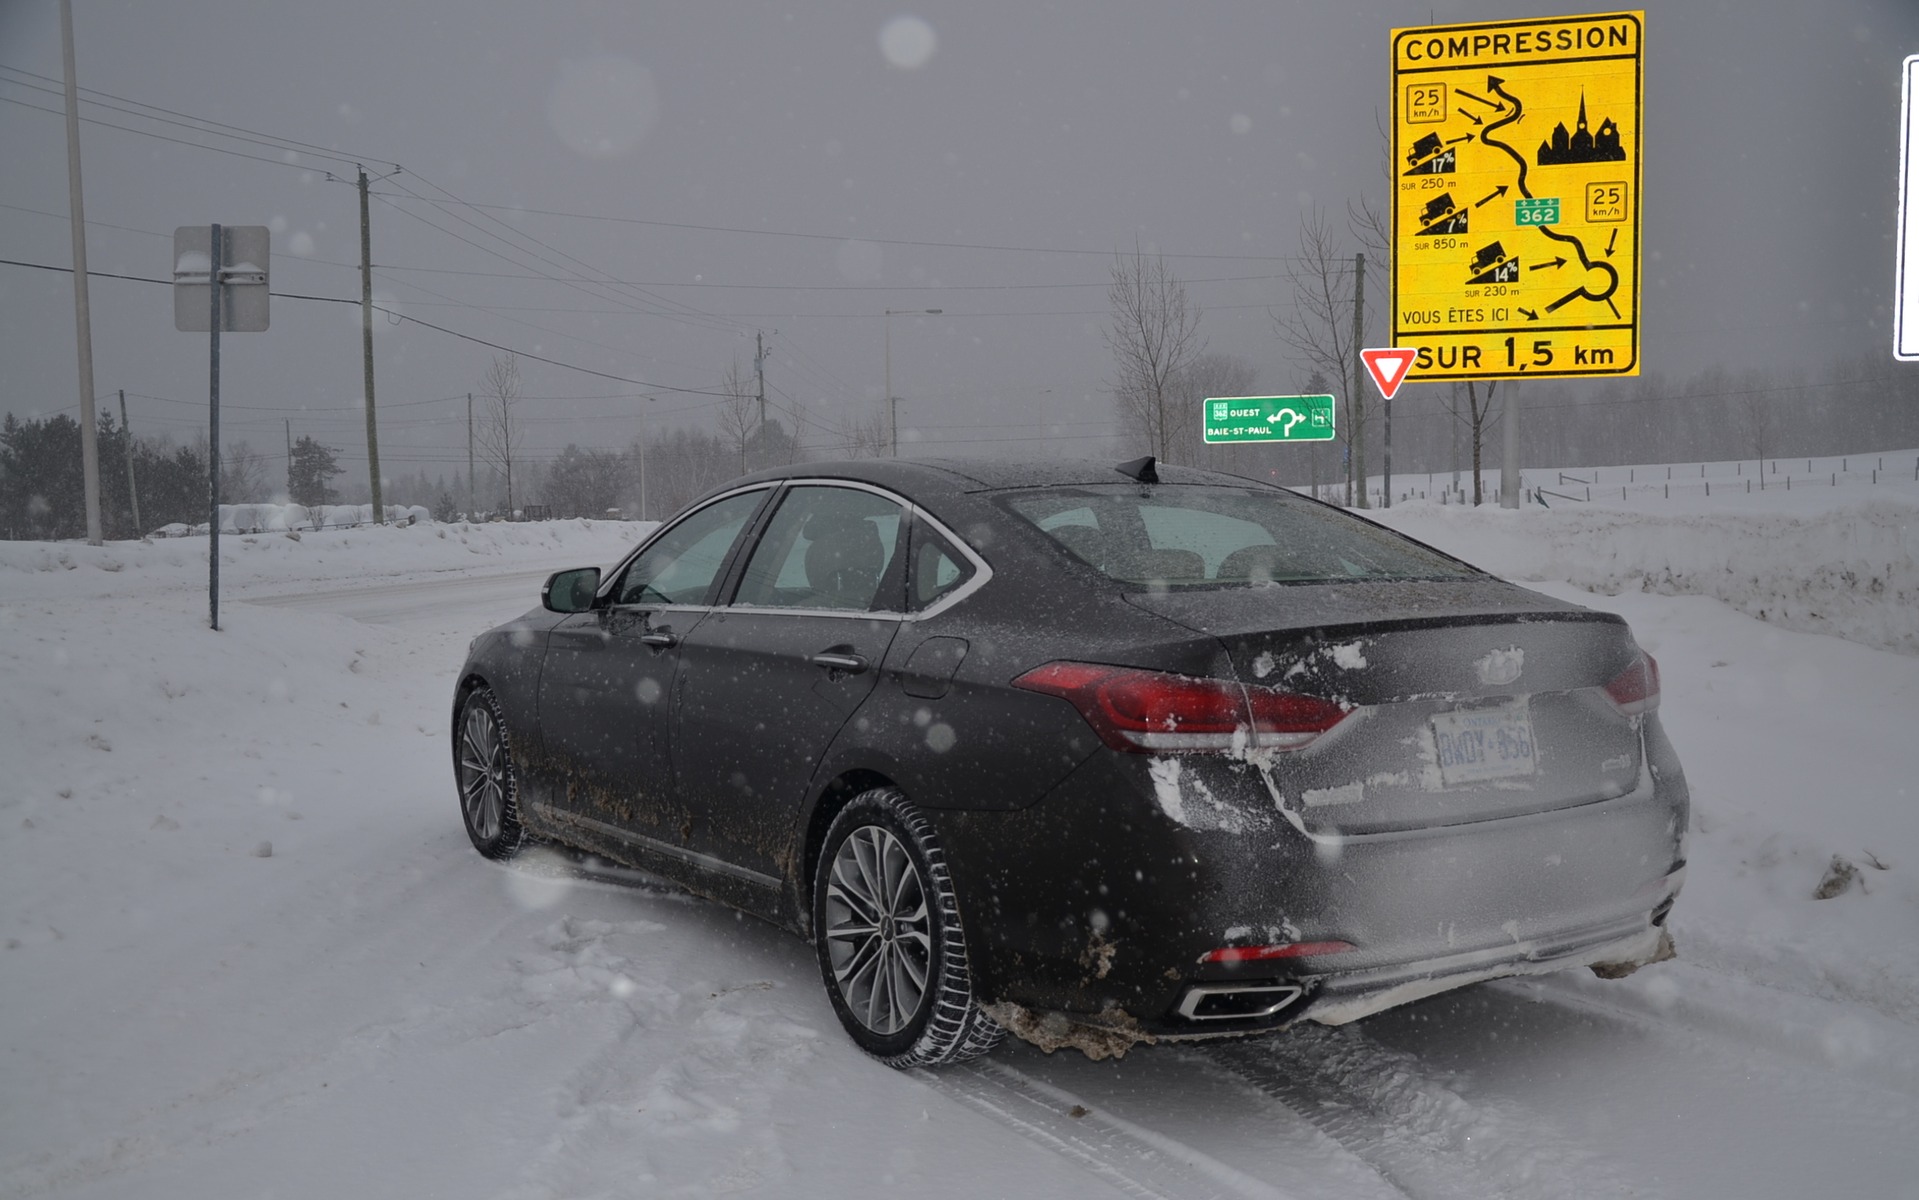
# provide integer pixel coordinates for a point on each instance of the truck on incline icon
(1487, 256)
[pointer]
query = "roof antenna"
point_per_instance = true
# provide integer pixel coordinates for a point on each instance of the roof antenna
(1141, 469)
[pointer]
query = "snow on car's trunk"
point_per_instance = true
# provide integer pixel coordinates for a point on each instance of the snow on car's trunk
(1469, 700)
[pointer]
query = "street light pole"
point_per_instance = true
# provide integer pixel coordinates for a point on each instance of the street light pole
(892, 401)
(642, 424)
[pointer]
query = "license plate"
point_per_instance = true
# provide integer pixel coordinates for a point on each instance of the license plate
(1478, 744)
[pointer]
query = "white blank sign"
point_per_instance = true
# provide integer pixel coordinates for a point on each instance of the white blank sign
(243, 278)
(1905, 304)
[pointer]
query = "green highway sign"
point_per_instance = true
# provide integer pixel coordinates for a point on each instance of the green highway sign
(1536, 212)
(1268, 419)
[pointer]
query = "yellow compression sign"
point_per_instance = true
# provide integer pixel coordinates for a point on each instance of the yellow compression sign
(1516, 151)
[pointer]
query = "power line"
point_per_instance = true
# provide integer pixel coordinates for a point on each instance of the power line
(186, 124)
(684, 309)
(574, 283)
(400, 316)
(451, 302)
(259, 137)
(166, 237)
(284, 142)
(161, 136)
(833, 287)
(879, 241)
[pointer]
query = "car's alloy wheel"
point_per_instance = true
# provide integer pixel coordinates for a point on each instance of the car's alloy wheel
(489, 793)
(891, 949)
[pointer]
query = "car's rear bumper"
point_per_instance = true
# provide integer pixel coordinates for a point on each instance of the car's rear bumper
(1095, 902)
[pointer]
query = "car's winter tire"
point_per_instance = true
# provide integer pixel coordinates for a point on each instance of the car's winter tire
(886, 924)
(483, 768)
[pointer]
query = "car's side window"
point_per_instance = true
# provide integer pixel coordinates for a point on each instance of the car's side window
(938, 569)
(679, 567)
(826, 548)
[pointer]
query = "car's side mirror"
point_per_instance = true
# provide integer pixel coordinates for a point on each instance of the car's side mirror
(571, 591)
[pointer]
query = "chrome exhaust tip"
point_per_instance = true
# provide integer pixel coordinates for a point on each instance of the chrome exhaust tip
(1236, 1001)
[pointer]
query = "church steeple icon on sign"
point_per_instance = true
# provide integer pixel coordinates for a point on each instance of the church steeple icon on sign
(1582, 145)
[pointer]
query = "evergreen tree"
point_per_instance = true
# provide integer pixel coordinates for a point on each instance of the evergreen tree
(310, 472)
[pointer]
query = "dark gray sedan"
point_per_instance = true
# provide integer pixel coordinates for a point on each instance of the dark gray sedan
(1099, 755)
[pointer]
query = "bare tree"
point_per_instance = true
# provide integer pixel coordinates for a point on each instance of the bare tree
(1475, 418)
(243, 472)
(1756, 413)
(1207, 375)
(1319, 326)
(739, 410)
(1154, 336)
(864, 437)
(498, 429)
(1315, 385)
(683, 464)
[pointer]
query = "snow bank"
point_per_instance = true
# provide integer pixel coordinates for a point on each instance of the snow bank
(274, 518)
(1851, 571)
(267, 562)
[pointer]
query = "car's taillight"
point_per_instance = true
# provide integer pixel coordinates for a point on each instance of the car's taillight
(1636, 689)
(1241, 954)
(1158, 712)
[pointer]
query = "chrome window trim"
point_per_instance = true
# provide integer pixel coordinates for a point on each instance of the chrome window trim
(982, 570)
(619, 568)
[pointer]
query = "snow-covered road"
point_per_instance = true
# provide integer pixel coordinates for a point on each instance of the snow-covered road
(367, 1008)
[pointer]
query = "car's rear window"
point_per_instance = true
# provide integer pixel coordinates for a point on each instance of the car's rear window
(1173, 535)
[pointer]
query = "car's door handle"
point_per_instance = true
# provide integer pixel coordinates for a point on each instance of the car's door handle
(832, 660)
(660, 639)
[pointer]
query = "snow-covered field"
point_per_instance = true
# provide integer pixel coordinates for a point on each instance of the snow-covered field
(245, 948)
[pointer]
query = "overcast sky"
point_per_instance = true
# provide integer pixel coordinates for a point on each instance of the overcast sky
(1027, 141)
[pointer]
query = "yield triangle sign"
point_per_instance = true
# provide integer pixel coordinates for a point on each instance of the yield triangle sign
(1388, 365)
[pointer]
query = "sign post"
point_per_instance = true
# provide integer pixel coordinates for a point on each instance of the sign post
(219, 282)
(1516, 246)
(1387, 365)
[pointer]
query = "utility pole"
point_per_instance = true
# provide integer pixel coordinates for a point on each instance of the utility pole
(642, 423)
(759, 372)
(1509, 462)
(469, 456)
(366, 347)
(892, 401)
(216, 256)
(1358, 467)
(1386, 492)
(133, 493)
(82, 312)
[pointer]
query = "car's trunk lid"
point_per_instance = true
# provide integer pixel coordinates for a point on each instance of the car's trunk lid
(1473, 699)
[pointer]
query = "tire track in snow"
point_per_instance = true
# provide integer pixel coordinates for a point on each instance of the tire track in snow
(1419, 1132)
(1820, 1034)
(1135, 1160)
